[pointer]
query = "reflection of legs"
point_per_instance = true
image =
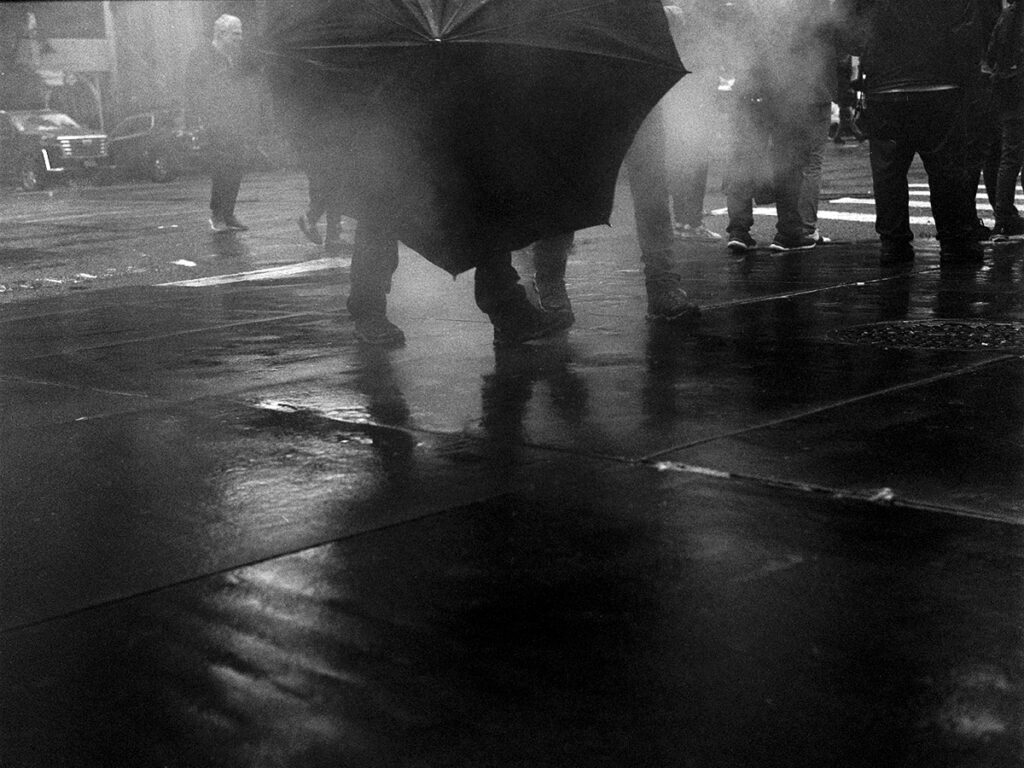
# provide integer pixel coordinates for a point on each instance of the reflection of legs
(498, 293)
(549, 260)
(645, 169)
(374, 261)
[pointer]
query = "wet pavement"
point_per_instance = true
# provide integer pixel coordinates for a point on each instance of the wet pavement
(231, 536)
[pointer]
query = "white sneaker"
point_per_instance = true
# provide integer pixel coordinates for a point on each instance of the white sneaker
(819, 238)
(699, 232)
(219, 225)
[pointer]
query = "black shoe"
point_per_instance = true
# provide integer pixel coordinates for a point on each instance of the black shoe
(516, 320)
(234, 224)
(982, 233)
(970, 252)
(793, 243)
(741, 242)
(894, 254)
(378, 331)
(667, 302)
(308, 227)
(1004, 230)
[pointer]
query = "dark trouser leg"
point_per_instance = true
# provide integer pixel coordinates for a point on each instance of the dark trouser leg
(1011, 154)
(494, 281)
(942, 145)
(374, 261)
(891, 154)
(227, 179)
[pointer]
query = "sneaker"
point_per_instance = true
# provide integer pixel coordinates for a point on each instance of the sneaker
(794, 243)
(555, 299)
(820, 239)
(516, 320)
(234, 224)
(667, 302)
(308, 227)
(741, 242)
(893, 254)
(700, 232)
(219, 225)
(378, 331)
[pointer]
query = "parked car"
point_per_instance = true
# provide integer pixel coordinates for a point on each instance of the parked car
(40, 146)
(155, 144)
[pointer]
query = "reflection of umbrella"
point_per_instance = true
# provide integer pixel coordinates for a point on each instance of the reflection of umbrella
(474, 125)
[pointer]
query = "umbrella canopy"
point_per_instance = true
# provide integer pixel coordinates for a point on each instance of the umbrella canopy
(470, 126)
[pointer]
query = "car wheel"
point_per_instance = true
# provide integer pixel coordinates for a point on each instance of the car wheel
(162, 168)
(31, 174)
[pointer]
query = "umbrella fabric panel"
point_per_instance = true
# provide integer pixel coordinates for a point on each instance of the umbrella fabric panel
(468, 148)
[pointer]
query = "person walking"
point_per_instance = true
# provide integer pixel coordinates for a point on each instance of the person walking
(784, 90)
(646, 173)
(1004, 59)
(918, 58)
(219, 97)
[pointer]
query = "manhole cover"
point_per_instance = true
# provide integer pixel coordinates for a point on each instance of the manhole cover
(936, 334)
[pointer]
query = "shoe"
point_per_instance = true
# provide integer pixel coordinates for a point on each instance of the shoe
(741, 242)
(1004, 230)
(969, 252)
(378, 331)
(667, 302)
(219, 225)
(699, 232)
(332, 247)
(308, 227)
(793, 243)
(982, 233)
(516, 320)
(893, 254)
(820, 239)
(234, 224)
(555, 299)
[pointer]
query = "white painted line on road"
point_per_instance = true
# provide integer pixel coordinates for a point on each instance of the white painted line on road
(864, 218)
(271, 273)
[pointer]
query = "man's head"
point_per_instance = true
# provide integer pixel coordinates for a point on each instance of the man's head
(227, 34)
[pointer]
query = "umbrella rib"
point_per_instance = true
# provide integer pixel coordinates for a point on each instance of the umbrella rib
(523, 22)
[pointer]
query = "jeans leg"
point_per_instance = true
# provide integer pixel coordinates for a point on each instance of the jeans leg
(942, 145)
(813, 151)
(646, 172)
(374, 261)
(688, 190)
(1011, 155)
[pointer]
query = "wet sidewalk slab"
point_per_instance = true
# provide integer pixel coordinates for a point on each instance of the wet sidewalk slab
(792, 536)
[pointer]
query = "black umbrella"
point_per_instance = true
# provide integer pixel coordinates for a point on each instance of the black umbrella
(472, 125)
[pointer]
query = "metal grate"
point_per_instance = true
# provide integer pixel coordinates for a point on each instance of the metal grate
(936, 334)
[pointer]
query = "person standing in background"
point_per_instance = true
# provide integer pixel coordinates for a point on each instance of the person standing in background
(785, 86)
(1005, 60)
(220, 98)
(919, 60)
(690, 117)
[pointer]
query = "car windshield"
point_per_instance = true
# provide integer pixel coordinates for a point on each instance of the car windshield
(42, 121)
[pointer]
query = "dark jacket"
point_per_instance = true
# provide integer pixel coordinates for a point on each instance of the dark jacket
(220, 96)
(917, 45)
(1004, 57)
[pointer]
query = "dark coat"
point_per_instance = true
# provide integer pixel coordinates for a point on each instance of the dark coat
(221, 97)
(917, 45)
(1005, 56)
